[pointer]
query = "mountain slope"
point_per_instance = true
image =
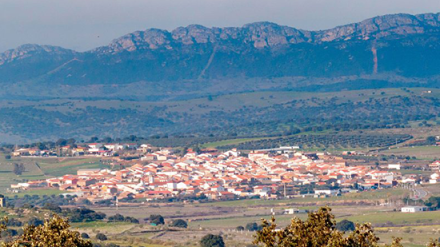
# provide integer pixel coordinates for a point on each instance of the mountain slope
(30, 61)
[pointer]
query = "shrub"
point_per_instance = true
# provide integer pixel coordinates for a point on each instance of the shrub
(54, 233)
(157, 219)
(211, 240)
(101, 237)
(179, 223)
(252, 226)
(35, 222)
(345, 226)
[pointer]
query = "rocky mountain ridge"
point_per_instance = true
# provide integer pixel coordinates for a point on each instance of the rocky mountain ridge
(267, 34)
(29, 50)
(407, 46)
(259, 34)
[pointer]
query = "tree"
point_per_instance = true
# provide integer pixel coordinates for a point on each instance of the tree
(433, 201)
(211, 240)
(54, 232)
(18, 169)
(40, 146)
(179, 223)
(318, 230)
(71, 141)
(431, 140)
(345, 226)
(107, 139)
(61, 142)
(93, 139)
(35, 222)
(157, 219)
(239, 228)
(101, 237)
(83, 215)
(52, 207)
(197, 149)
(252, 227)
(116, 217)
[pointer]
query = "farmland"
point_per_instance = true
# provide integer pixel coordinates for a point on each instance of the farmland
(204, 219)
(324, 141)
(426, 152)
(41, 168)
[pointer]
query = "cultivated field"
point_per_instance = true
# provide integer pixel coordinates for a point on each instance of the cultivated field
(42, 168)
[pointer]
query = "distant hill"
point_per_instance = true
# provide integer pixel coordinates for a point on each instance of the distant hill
(401, 46)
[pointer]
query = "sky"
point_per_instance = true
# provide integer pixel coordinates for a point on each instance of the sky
(86, 24)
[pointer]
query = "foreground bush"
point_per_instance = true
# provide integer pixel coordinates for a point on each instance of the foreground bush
(54, 232)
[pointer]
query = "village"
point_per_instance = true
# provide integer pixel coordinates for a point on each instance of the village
(144, 173)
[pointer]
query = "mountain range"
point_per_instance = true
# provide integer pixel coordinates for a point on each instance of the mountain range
(259, 79)
(398, 47)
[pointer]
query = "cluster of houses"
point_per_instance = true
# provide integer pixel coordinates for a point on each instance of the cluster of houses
(214, 175)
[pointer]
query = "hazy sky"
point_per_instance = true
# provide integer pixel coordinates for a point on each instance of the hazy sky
(86, 24)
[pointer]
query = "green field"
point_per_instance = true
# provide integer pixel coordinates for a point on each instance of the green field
(42, 168)
(379, 217)
(102, 225)
(282, 220)
(368, 195)
(229, 142)
(425, 152)
(39, 192)
(397, 218)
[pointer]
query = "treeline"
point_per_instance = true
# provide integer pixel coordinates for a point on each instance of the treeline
(121, 218)
(324, 141)
(28, 201)
(81, 214)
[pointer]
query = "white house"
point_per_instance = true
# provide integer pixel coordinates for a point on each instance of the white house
(413, 209)
(327, 192)
(382, 175)
(291, 211)
(115, 146)
(182, 186)
(232, 152)
(394, 166)
(95, 145)
(434, 178)
(172, 185)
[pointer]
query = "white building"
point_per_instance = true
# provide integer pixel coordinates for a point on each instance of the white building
(434, 178)
(413, 209)
(394, 166)
(326, 192)
(291, 211)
